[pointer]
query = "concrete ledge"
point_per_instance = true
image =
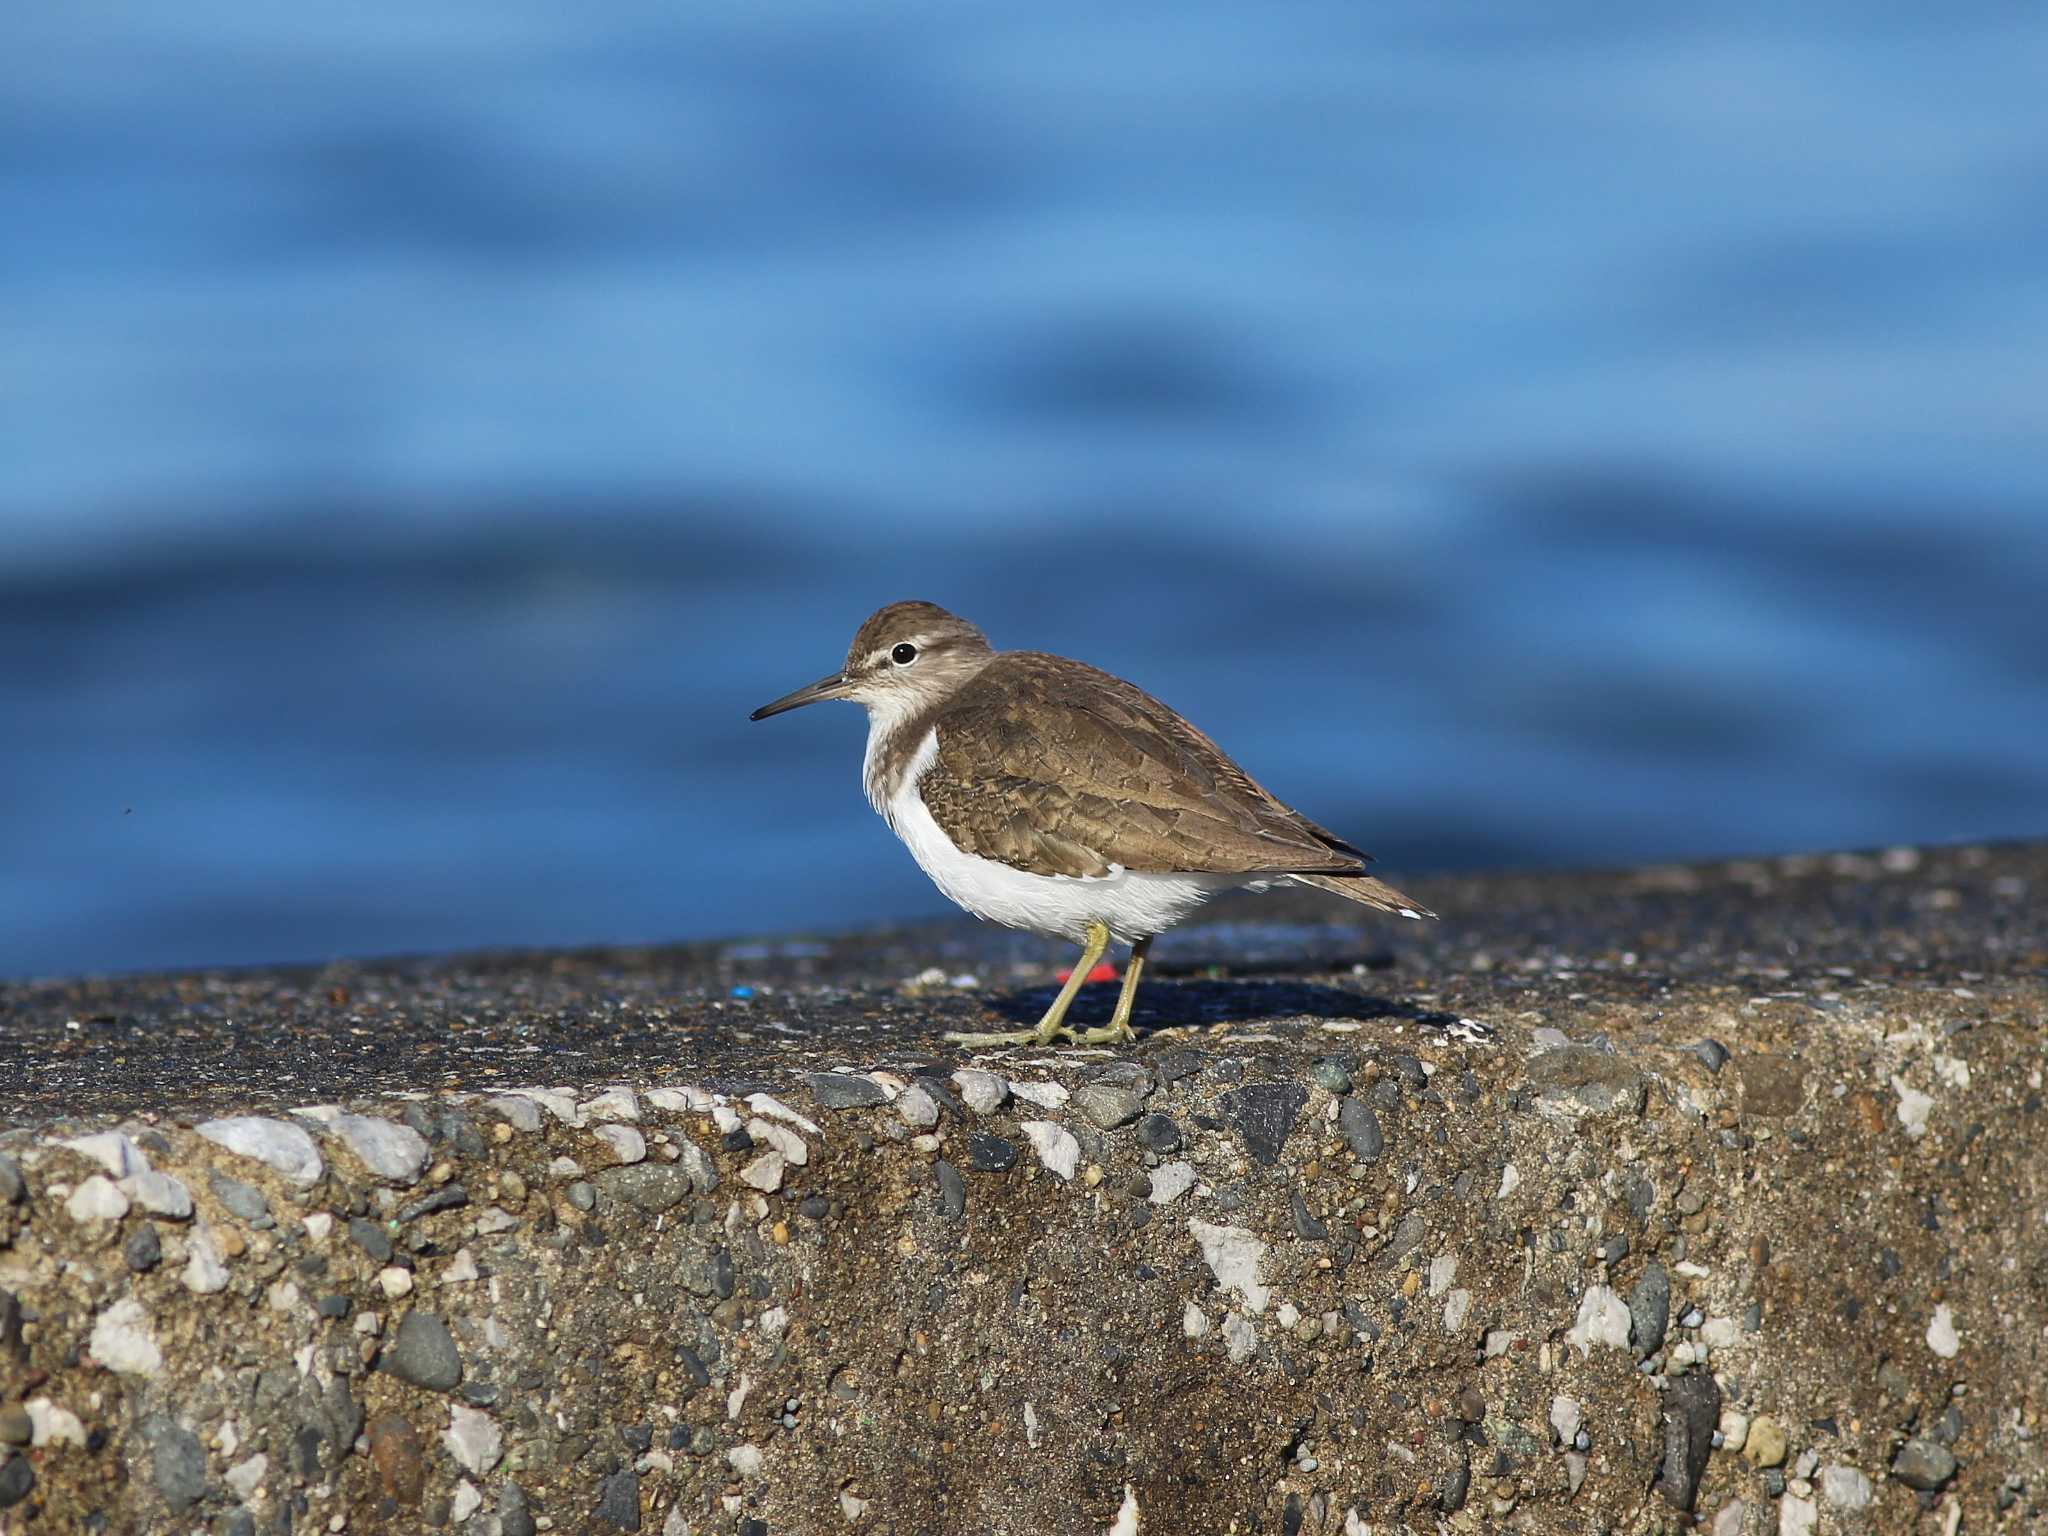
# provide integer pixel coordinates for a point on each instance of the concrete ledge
(1561, 1246)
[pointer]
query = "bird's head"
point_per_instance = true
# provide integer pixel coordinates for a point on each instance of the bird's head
(905, 658)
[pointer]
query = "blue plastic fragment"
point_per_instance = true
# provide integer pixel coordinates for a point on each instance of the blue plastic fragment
(742, 991)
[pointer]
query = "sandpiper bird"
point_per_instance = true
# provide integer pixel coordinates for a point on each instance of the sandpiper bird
(1043, 794)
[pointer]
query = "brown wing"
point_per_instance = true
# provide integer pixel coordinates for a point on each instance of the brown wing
(1049, 765)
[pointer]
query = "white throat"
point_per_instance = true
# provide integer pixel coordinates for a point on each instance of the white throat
(887, 716)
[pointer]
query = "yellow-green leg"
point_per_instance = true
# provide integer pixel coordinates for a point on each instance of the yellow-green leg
(1054, 1024)
(1118, 1030)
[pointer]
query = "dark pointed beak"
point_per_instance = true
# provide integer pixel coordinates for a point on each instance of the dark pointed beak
(833, 687)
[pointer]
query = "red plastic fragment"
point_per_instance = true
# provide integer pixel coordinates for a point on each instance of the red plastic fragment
(1103, 972)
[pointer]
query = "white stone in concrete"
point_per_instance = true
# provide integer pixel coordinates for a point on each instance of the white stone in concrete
(204, 1272)
(612, 1104)
(626, 1143)
(97, 1199)
(794, 1149)
(1603, 1319)
(123, 1341)
(112, 1151)
(277, 1144)
(247, 1476)
(983, 1092)
(764, 1172)
(1942, 1337)
(1240, 1338)
(767, 1104)
(389, 1150)
(1055, 1144)
(1172, 1180)
(159, 1194)
(473, 1439)
(1233, 1254)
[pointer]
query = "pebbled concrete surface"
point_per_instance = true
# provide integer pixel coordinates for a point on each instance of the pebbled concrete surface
(1613, 1202)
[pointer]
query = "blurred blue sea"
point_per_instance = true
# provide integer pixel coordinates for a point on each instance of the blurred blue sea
(1598, 436)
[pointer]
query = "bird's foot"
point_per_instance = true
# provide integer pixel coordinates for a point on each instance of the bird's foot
(1038, 1036)
(1116, 1032)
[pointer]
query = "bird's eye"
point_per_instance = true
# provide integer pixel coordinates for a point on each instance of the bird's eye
(904, 654)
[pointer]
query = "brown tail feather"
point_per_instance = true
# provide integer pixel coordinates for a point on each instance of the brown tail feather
(1368, 891)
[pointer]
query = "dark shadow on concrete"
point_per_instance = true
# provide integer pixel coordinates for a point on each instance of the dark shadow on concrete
(1166, 1002)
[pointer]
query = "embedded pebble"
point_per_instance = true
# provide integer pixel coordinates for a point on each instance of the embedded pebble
(794, 1149)
(1360, 1128)
(1264, 1114)
(1055, 1144)
(1045, 1095)
(143, 1250)
(96, 1199)
(1233, 1255)
(767, 1104)
(1565, 1414)
(423, 1354)
(1158, 1133)
(1734, 1430)
(177, 1461)
(1172, 1180)
(1691, 1407)
(1457, 1308)
(159, 1194)
(53, 1424)
(983, 1092)
(277, 1144)
(1923, 1464)
(952, 1189)
(243, 1200)
(1765, 1445)
(1914, 1107)
(1107, 1107)
(764, 1172)
(1308, 1227)
(1649, 1309)
(114, 1152)
(123, 1341)
(205, 1274)
(1797, 1516)
(465, 1502)
(1941, 1333)
(1846, 1488)
(625, 1142)
(11, 1185)
(518, 1109)
(1330, 1076)
(842, 1090)
(917, 1108)
(1194, 1322)
(1603, 1319)
(391, 1151)
(473, 1439)
(395, 1281)
(245, 1477)
(989, 1154)
(1240, 1338)
(612, 1104)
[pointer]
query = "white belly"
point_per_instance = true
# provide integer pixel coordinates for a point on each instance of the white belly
(1134, 905)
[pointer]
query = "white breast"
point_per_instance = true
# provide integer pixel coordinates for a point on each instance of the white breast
(1134, 905)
